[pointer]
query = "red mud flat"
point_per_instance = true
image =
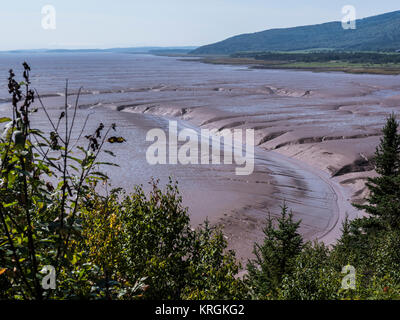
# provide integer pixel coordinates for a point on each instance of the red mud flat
(325, 126)
(315, 134)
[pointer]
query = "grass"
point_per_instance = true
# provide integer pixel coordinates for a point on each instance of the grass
(337, 66)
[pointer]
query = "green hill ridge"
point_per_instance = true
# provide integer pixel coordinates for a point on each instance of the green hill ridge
(377, 33)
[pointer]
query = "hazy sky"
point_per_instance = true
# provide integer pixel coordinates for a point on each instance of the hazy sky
(119, 23)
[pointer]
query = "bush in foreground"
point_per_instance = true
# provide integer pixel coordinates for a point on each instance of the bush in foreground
(100, 245)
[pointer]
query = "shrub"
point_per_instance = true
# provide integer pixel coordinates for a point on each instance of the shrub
(276, 256)
(40, 194)
(102, 246)
(313, 278)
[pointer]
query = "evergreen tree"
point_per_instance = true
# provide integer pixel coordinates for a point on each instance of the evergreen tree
(276, 256)
(353, 247)
(345, 244)
(383, 203)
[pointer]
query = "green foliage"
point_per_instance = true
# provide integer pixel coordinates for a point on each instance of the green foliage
(313, 278)
(386, 256)
(354, 247)
(276, 256)
(176, 261)
(212, 272)
(158, 237)
(39, 197)
(323, 56)
(388, 152)
(102, 245)
(145, 243)
(384, 200)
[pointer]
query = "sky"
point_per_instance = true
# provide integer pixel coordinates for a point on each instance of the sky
(132, 23)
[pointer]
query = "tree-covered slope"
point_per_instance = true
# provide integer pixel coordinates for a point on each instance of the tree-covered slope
(375, 33)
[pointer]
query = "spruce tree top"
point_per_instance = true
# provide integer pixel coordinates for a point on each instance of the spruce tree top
(387, 155)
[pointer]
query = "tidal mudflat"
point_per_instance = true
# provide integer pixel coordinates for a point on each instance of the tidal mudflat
(315, 132)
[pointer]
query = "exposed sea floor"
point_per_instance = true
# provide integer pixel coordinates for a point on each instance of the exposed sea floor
(315, 132)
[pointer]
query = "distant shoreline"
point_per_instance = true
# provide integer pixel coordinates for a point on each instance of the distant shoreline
(302, 66)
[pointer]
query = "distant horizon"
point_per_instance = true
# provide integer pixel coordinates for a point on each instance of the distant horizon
(99, 25)
(102, 49)
(155, 47)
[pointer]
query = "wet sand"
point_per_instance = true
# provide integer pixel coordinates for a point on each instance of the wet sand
(326, 126)
(315, 135)
(238, 204)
